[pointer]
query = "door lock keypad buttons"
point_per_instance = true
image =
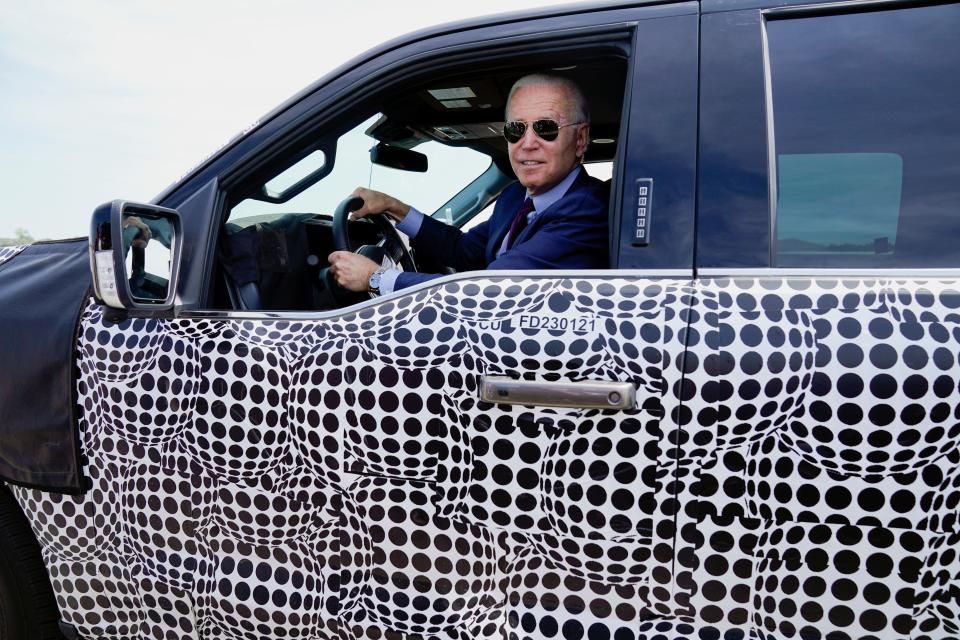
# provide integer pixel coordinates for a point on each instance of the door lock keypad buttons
(641, 218)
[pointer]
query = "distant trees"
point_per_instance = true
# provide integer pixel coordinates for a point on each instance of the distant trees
(21, 236)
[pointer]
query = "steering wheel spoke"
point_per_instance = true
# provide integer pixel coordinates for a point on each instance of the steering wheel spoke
(393, 251)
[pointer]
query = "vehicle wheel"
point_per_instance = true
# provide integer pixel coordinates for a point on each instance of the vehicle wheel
(28, 609)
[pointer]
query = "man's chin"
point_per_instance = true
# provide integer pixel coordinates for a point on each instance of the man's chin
(533, 184)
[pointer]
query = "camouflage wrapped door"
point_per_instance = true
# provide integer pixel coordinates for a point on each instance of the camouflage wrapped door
(820, 474)
(337, 477)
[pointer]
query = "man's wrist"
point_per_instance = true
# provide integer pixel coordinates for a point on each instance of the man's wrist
(388, 281)
(410, 225)
(398, 210)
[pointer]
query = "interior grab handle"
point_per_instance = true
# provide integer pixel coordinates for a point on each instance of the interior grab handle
(583, 394)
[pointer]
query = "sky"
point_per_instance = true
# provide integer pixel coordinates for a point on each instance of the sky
(105, 99)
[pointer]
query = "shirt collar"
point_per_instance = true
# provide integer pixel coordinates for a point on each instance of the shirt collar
(551, 195)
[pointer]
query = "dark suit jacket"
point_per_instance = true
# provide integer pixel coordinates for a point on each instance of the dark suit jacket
(569, 234)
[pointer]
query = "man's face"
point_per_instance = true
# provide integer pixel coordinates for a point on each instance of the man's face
(540, 164)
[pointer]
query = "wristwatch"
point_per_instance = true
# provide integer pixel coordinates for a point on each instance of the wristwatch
(373, 286)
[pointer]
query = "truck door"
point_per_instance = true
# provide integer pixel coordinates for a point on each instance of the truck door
(340, 474)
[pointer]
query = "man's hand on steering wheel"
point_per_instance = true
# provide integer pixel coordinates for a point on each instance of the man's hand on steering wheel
(351, 268)
(375, 202)
(352, 271)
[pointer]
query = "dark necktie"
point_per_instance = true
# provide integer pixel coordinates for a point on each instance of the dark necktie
(519, 222)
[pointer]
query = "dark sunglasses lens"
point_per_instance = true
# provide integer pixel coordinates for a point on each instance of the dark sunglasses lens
(546, 129)
(513, 131)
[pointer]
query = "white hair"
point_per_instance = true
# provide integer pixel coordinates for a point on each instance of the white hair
(576, 101)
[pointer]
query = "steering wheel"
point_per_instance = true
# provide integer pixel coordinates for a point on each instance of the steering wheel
(390, 243)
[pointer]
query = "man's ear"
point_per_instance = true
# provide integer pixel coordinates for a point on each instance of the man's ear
(583, 140)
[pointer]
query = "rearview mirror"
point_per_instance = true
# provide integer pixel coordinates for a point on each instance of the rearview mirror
(398, 158)
(135, 255)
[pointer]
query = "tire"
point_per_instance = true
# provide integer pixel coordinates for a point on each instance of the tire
(28, 609)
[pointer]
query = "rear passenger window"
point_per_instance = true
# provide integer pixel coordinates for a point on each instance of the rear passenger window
(838, 204)
(866, 120)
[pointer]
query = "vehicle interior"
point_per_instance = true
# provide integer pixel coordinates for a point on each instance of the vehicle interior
(436, 145)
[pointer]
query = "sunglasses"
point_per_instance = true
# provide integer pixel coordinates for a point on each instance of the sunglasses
(545, 129)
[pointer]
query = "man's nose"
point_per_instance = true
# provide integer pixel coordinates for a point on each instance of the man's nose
(529, 140)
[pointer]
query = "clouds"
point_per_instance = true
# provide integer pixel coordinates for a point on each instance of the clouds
(105, 99)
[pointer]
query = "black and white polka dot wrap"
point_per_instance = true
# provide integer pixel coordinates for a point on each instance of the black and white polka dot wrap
(791, 469)
(8, 252)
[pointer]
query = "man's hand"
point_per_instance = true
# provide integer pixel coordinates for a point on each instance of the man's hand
(143, 237)
(375, 202)
(352, 271)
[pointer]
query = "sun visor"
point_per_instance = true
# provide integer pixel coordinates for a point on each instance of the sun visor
(42, 292)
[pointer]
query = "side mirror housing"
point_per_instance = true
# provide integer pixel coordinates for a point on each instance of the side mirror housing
(135, 256)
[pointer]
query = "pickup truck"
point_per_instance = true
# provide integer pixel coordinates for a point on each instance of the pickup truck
(748, 426)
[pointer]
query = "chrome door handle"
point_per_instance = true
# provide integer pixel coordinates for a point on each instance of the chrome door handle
(585, 394)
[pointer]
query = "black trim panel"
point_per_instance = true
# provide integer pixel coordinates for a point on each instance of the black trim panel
(42, 291)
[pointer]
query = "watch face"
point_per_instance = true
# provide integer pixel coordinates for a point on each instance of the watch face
(375, 280)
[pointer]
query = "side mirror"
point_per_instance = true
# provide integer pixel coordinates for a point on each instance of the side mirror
(398, 158)
(135, 255)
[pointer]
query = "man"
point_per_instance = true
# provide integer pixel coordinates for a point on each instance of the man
(555, 216)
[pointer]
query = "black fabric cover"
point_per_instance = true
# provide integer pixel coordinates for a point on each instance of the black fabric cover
(42, 291)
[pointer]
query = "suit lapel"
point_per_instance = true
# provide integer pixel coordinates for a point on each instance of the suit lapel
(503, 216)
(544, 215)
